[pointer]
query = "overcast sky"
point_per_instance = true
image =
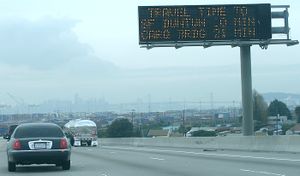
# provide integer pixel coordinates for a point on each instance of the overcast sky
(54, 49)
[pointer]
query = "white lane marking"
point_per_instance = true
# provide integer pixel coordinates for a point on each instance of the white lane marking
(209, 154)
(103, 174)
(262, 172)
(112, 152)
(159, 159)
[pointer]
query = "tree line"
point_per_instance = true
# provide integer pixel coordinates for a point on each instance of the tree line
(261, 112)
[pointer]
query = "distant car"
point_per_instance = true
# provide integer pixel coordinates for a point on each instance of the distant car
(38, 143)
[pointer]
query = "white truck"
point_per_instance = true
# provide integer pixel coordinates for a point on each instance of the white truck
(81, 132)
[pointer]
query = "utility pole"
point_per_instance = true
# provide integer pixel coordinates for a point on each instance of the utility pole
(132, 115)
(149, 103)
(141, 125)
(183, 119)
(277, 123)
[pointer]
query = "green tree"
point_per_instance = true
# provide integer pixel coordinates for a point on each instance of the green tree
(286, 127)
(137, 132)
(260, 108)
(102, 132)
(278, 107)
(120, 128)
(297, 112)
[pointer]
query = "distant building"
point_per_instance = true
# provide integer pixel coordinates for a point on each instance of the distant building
(262, 132)
(173, 128)
(225, 115)
(295, 130)
(274, 120)
(158, 133)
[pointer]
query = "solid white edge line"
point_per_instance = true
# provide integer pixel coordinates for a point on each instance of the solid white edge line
(208, 154)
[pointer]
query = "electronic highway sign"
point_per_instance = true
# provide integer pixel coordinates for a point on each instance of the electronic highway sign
(192, 23)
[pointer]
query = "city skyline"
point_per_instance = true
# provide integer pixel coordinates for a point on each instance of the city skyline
(146, 104)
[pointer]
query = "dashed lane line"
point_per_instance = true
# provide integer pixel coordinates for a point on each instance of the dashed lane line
(261, 172)
(159, 159)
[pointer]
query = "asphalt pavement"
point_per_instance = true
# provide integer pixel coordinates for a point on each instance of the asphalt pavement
(155, 161)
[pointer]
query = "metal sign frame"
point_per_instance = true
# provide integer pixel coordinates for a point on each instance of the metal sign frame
(234, 43)
(262, 43)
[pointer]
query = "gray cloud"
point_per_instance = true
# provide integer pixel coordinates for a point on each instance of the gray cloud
(44, 44)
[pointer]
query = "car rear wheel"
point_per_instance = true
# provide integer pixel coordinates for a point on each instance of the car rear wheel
(66, 165)
(11, 166)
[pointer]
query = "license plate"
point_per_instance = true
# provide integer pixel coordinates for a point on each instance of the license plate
(40, 145)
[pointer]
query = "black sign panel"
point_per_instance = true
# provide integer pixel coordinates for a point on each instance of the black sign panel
(206, 22)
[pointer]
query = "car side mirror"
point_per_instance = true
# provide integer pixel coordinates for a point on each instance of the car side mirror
(6, 136)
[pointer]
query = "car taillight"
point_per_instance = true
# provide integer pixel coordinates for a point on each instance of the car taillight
(17, 144)
(63, 143)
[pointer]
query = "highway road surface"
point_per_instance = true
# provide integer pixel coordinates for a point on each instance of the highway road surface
(146, 161)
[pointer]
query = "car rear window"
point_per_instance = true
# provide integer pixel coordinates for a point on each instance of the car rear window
(11, 129)
(38, 131)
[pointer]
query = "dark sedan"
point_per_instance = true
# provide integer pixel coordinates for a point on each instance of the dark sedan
(38, 143)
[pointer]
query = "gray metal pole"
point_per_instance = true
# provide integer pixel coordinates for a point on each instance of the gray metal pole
(246, 90)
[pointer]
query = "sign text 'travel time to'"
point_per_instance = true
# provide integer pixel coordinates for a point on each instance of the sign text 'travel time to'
(206, 22)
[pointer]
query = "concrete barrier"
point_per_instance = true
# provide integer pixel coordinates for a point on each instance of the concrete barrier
(3, 144)
(242, 143)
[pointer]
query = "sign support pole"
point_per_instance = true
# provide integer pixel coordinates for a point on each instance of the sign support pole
(245, 55)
